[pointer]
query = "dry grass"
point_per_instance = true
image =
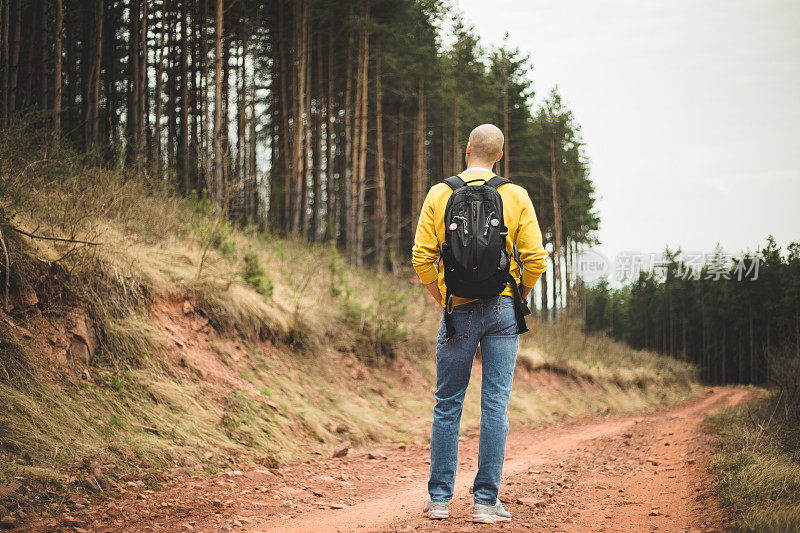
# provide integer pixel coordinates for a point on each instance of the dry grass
(600, 359)
(328, 353)
(16, 369)
(759, 476)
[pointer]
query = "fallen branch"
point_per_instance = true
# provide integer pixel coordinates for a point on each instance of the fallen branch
(58, 239)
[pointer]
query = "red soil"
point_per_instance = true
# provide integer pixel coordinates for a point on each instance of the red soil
(638, 473)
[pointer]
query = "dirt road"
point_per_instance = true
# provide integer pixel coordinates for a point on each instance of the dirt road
(639, 473)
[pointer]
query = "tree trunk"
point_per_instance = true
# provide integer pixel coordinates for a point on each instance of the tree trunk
(14, 60)
(458, 156)
(796, 333)
(724, 376)
(286, 135)
(43, 81)
(356, 158)
(362, 161)
(543, 288)
(298, 148)
(506, 133)
(71, 80)
(227, 160)
(194, 95)
(92, 125)
(307, 140)
(769, 335)
(217, 192)
(317, 146)
(279, 170)
(396, 198)
(348, 140)
(184, 135)
(684, 353)
(380, 186)
(134, 94)
(331, 188)
(155, 149)
(741, 358)
(172, 147)
(207, 141)
(57, 85)
(751, 376)
(554, 288)
(418, 171)
(241, 127)
(567, 293)
(704, 342)
(110, 122)
(4, 37)
(27, 65)
(253, 166)
(557, 246)
(142, 83)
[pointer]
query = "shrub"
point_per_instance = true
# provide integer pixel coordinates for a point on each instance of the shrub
(254, 275)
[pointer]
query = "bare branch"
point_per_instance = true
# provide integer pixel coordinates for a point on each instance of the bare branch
(58, 239)
(8, 271)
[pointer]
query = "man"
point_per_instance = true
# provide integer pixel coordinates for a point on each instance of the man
(490, 322)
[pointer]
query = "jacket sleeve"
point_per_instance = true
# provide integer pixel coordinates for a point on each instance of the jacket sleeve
(532, 254)
(425, 252)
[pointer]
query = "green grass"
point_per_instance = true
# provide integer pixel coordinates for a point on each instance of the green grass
(757, 468)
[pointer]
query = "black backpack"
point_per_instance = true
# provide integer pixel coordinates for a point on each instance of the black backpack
(476, 264)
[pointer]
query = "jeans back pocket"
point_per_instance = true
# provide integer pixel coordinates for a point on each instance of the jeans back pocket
(462, 322)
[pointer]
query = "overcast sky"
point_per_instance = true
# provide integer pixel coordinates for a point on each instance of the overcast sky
(690, 110)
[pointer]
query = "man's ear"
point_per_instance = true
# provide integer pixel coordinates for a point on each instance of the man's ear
(499, 157)
(469, 149)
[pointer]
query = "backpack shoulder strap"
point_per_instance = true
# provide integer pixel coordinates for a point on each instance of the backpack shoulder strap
(496, 182)
(455, 182)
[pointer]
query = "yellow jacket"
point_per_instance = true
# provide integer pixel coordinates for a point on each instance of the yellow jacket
(518, 215)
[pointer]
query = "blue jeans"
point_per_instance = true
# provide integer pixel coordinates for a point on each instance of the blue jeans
(490, 322)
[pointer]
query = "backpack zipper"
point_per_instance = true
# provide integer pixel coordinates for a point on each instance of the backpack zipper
(464, 220)
(486, 226)
(475, 233)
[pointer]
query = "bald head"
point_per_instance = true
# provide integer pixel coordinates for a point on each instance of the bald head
(485, 145)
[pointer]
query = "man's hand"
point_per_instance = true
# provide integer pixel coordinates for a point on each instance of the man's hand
(433, 288)
(524, 291)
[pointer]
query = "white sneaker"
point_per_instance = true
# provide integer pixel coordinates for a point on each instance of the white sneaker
(436, 510)
(489, 514)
